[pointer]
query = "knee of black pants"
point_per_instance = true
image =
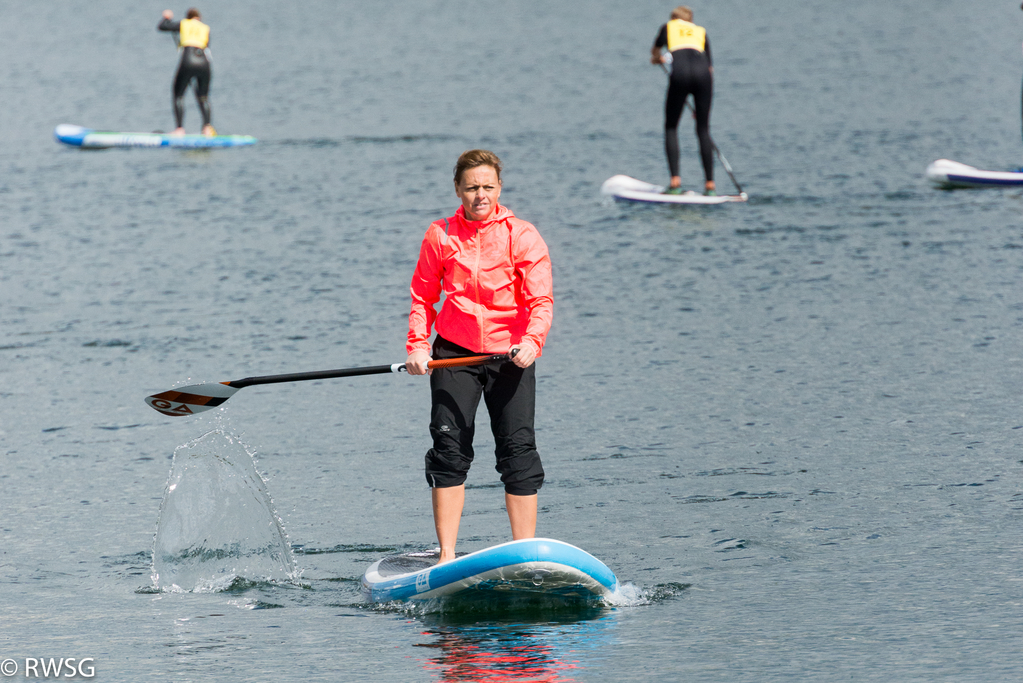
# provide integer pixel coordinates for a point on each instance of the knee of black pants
(521, 472)
(448, 462)
(445, 469)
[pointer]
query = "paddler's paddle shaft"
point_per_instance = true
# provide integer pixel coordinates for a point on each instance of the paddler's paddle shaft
(322, 374)
(197, 398)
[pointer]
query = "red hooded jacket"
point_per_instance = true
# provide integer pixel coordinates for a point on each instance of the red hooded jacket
(496, 279)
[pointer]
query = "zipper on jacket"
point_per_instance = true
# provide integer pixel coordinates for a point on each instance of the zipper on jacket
(476, 283)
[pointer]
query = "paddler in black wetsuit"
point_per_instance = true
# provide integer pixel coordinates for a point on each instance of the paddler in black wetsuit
(691, 73)
(193, 39)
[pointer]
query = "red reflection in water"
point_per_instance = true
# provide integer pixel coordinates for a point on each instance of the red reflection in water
(511, 659)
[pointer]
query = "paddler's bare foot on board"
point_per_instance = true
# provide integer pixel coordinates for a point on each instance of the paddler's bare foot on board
(446, 556)
(709, 189)
(178, 131)
(208, 131)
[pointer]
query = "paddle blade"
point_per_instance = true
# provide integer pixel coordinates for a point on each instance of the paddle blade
(190, 400)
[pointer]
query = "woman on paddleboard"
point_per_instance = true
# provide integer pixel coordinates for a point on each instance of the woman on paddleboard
(194, 40)
(495, 274)
(692, 73)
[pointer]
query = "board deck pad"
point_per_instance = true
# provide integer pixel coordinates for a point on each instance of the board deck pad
(396, 565)
(537, 567)
(949, 174)
(86, 138)
(623, 187)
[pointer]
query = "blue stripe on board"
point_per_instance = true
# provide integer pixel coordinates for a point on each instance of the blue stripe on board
(973, 180)
(76, 136)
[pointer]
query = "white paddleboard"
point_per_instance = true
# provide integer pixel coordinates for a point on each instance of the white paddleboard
(629, 189)
(86, 138)
(950, 174)
(538, 567)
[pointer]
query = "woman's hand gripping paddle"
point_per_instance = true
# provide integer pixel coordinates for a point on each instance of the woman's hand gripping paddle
(197, 398)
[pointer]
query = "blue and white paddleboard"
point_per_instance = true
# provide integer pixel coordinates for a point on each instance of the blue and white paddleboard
(951, 174)
(76, 136)
(623, 187)
(539, 567)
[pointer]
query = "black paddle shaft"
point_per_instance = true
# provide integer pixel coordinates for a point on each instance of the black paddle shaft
(307, 376)
(370, 370)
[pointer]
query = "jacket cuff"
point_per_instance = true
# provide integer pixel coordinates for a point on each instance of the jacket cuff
(530, 342)
(418, 346)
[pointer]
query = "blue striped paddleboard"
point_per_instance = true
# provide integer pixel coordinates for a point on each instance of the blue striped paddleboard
(534, 567)
(77, 136)
(948, 175)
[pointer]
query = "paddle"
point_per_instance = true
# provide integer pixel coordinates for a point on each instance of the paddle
(197, 398)
(721, 157)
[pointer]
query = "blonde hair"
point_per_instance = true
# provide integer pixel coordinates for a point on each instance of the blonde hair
(476, 157)
(682, 12)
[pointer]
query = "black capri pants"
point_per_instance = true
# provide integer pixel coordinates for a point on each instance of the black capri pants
(510, 396)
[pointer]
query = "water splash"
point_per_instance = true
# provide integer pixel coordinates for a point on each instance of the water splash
(217, 522)
(631, 595)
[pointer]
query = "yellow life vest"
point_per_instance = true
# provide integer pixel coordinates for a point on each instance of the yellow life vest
(683, 35)
(194, 33)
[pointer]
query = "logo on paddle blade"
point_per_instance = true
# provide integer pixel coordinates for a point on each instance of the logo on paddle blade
(168, 408)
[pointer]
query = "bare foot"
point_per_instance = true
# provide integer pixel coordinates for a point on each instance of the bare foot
(208, 131)
(178, 131)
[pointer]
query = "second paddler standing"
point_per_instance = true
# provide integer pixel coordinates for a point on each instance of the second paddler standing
(692, 73)
(194, 41)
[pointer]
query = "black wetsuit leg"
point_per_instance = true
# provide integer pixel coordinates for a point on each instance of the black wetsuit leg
(193, 65)
(690, 75)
